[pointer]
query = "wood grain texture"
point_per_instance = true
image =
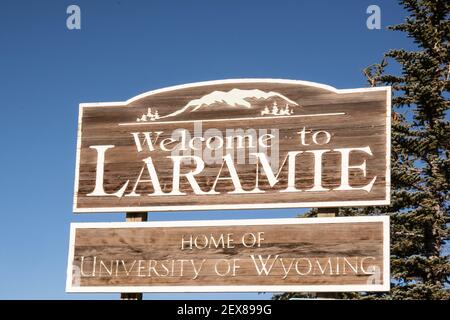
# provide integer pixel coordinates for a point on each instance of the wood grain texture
(134, 217)
(362, 119)
(333, 251)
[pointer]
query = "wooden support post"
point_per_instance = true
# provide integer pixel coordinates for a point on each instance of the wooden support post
(137, 216)
(327, 213)
(134, 217)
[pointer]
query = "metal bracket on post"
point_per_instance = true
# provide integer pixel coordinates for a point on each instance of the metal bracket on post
(134, 217)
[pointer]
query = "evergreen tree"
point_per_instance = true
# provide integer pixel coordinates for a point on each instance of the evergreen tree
(420, 161)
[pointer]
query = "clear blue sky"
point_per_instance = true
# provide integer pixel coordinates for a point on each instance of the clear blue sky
(125, 48)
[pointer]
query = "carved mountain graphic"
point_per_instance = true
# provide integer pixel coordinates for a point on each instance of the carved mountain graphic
(252, 102)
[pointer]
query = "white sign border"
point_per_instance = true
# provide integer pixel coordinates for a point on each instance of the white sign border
(385, 286)
(319, 204)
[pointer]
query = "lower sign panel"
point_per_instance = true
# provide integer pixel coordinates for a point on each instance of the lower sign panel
(302, 254)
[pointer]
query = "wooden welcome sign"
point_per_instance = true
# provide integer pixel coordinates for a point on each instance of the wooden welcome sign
(314, 254)
(235, 144)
